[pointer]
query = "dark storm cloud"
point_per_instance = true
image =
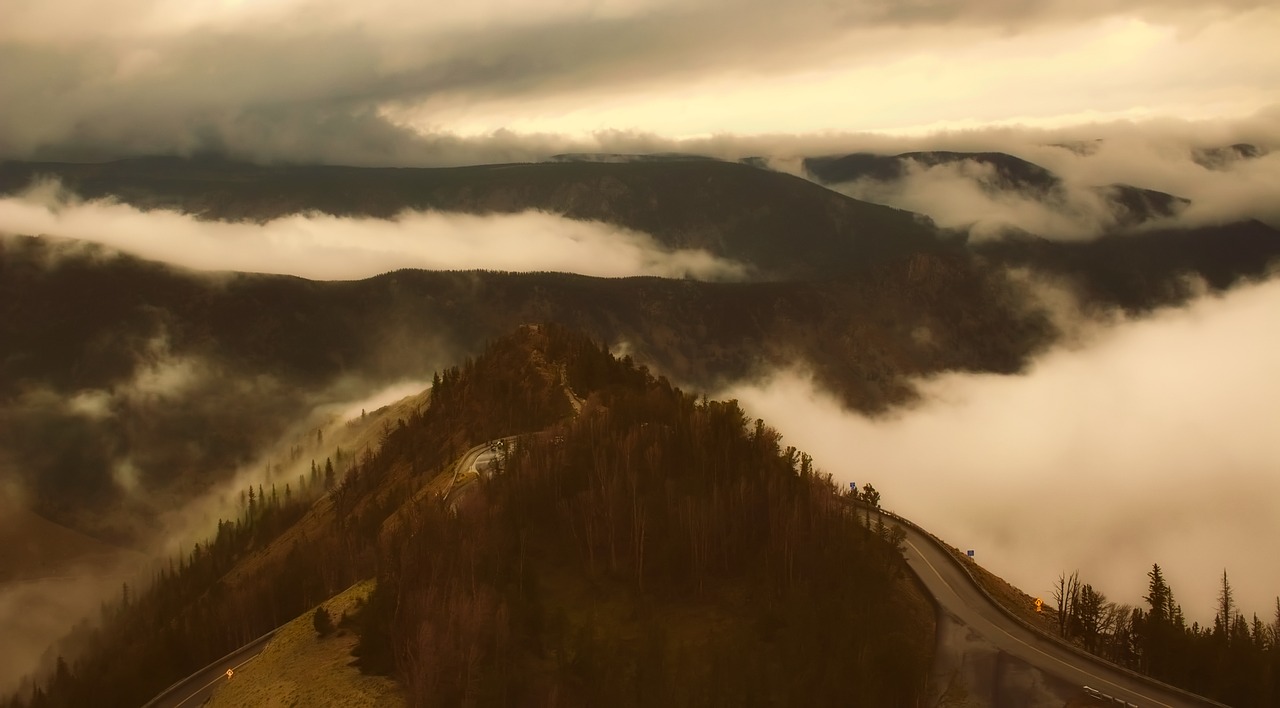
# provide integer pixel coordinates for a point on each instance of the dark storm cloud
(311, 80)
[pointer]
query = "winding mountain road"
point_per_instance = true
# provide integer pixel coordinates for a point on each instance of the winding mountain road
(955, 591)
(959, 596)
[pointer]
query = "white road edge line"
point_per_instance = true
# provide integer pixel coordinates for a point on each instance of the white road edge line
(1038, 650)
(219, 678)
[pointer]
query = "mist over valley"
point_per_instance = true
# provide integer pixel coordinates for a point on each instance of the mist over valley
(525, 353)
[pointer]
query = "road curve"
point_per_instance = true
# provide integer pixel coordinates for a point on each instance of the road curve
(958, 594)
(952, 587)
(195, 689)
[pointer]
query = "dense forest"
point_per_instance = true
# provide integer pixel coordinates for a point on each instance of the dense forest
(654, 551)
(652, 547)
(1236, 661)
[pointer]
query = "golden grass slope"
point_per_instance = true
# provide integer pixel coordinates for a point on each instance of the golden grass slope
(298, 668)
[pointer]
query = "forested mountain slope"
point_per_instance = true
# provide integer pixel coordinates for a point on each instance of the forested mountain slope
(653, 549)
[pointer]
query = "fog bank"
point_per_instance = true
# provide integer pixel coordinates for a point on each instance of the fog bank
(1083, 205)
(1151, 441)
(42, 598)
(326, 247)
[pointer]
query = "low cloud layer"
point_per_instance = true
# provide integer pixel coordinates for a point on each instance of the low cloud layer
(953, 196)
(1234, 190)
(1150, 441)
(36, 613)
(1162, 156)
(335, 248)
(43, 597)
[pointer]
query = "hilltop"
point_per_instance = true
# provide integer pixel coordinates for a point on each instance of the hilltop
(649, 547)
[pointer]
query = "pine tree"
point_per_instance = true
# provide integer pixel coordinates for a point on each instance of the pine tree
(322, 622)
(1158, 595)
(1226, 610)
(328, 474)
(1275, 632)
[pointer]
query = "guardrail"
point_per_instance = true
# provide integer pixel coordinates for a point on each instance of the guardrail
(1036, 631)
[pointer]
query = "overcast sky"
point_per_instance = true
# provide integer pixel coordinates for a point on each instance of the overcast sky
(436, 83)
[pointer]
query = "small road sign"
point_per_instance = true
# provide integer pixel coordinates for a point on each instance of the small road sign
(969, 553)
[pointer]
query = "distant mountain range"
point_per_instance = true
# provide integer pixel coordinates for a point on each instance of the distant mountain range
(783, 227)
(1009, 172)
(1216, 158)
(1001, 173)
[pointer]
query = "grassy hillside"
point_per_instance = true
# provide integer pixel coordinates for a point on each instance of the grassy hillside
(301, 668)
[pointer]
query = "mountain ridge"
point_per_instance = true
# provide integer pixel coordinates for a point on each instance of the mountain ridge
(720, 207)
(999, 174)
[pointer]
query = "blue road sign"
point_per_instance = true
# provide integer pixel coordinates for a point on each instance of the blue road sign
(969, 553)
(853, 486)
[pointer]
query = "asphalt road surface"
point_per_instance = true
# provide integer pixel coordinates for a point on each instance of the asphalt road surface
(195, 689)
(964, 602)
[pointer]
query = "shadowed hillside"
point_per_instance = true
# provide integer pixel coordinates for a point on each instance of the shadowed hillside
(782, 226)
(1142, 270)
(198, 371)
(183, 376)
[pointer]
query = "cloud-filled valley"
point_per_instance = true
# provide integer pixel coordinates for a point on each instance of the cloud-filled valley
(1146, 441)
(1121, 183)
(323, 247)
(157, 515)
(1016, 264)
